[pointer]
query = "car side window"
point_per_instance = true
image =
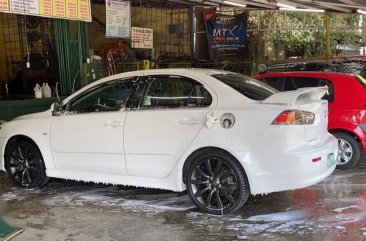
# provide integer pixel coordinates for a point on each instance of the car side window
(330, 95)
(175, 92)
(106, 97)
(289, 84)
(275, 82)
(303, 82)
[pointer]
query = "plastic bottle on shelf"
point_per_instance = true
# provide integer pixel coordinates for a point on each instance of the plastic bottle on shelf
(46, 90)
(37, 91)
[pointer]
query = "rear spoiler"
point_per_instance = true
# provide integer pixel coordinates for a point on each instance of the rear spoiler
(296, 96)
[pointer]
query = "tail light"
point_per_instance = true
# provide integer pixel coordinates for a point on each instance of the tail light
(294, 117)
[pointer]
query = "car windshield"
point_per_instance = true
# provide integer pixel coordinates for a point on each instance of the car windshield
(247, 86)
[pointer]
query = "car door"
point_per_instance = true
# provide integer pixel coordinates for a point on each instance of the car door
(168, 117)
(88, 136)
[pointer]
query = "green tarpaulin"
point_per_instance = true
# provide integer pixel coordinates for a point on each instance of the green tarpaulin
(7, 232)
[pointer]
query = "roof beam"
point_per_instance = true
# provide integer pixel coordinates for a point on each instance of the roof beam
(349, 2)
(344, 8)
(348, 6)
(329, 5)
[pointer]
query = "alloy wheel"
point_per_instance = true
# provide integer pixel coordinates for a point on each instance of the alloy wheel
(23, 165)
(214, 184)
(345, 152)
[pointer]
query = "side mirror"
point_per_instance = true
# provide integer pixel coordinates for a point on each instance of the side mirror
(56, 108)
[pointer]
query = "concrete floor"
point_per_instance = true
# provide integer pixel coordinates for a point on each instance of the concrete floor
(332, 210)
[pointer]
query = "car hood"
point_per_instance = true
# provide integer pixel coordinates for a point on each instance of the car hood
(297, 96)
(34, 115)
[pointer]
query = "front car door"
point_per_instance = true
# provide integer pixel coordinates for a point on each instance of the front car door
(163, 123)
(88, 136)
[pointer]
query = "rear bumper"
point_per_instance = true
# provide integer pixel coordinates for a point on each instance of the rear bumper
(292, 169)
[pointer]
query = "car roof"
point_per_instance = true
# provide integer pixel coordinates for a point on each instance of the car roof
(305, 74)
(173, 71)
(189, 72)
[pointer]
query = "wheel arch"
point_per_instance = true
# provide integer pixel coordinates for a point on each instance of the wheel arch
(41, 179)
(16, 138)
(345, 131)
(195, 153)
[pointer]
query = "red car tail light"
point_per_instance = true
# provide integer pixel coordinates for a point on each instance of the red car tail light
(294, 117)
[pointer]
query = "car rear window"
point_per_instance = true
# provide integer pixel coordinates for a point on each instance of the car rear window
(361, 80)
(251, 88)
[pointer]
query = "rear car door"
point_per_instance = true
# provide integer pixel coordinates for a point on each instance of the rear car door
(163, 123)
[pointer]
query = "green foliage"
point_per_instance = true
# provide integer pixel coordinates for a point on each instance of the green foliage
(299, 34)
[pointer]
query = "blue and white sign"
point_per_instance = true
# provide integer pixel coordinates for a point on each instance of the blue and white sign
(227, 36)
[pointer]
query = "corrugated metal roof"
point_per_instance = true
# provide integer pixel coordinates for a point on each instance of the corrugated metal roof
(346, 6)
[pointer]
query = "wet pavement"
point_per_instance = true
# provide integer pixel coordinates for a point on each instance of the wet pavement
(334, 209)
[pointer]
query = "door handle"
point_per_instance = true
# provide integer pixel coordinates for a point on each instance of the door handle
(112, 124)
(190, 121)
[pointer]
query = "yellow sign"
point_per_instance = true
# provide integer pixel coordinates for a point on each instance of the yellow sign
(65, 9)
(4, 5)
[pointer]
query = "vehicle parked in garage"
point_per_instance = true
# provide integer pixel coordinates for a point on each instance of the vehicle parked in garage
(347, 107)
(220, 135)
(347, 66)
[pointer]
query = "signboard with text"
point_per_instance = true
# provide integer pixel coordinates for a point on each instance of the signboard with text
(227, 36)
(142, 38)
(118, 19)
(65, 9)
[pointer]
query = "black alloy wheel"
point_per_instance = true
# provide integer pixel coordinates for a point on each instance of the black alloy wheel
(216, 183)
(24, 164)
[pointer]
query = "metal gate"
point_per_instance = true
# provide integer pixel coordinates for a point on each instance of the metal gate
(70, 37)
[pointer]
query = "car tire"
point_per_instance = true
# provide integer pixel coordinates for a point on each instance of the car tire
(349, 151)
(24, 164)
(216, 183)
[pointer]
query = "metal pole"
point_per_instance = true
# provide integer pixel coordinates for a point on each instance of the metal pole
(21, 43)
(192, 30)
(327, 35)
(69, 75)
(81, 56)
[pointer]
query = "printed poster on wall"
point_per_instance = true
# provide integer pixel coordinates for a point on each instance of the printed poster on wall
(65, 9)
(141, 38)
(118, 19)
(227, 36)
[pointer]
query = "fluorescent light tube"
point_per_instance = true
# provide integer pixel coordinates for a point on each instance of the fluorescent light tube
(310, 10)
(361, 11)
(235, 4)
(282, 5)
(211, 3)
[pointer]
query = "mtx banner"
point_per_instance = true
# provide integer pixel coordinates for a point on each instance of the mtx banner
(227, 36)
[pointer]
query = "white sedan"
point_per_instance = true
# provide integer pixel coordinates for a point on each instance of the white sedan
(220, 135)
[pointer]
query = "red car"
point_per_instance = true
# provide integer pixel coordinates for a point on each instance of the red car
(347, 107)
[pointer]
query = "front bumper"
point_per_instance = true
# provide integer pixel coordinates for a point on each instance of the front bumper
(293, 168)
(2, 146)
